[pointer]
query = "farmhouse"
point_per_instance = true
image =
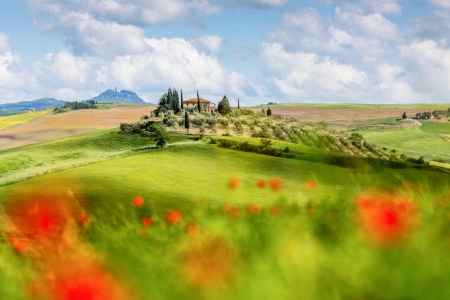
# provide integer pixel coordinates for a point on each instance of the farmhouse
(207, 106)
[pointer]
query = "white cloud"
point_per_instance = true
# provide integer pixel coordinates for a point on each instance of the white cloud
(139, 12)
(442, 3)
(373, 25)
(257, 3)
(428, 66)
(208, 43)
(350, 35)
(383, 6)
(4, 42)
(166, 62)
(311, 76)
(394, 86)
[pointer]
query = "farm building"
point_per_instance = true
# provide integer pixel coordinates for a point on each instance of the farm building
(207, 106)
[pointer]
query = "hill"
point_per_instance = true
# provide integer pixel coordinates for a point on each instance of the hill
(122, 96)
(39, 104)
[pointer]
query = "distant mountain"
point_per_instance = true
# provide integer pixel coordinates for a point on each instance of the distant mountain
(39, 104)
(122, 96)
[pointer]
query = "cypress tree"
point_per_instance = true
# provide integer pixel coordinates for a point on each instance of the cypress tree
(269, 112)
(238, 104)
(181, 99)
(186, 120)
(169, 98)
(404, 115)
(198, 104)
(175, 102)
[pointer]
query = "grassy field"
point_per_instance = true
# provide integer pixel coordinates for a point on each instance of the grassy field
(206, 227)
(363, 105)
(12, 120)
(429, 140)
(109, 216)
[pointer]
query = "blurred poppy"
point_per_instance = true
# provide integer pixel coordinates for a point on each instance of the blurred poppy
(253, 209)
(385, 219)
(276, 184)
(234, 182)
(82, 218)
(275, 210)
(310, 185)
(261, 183)
(18, 245)
(138, 201)
(146, 221)
(173, 217)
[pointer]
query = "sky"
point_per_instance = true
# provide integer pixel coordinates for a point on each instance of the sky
(260, 51)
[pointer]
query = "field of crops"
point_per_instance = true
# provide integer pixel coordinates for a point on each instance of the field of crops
(430, 140)
(12, 120)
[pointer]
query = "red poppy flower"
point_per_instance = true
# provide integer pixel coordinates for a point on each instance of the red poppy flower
(146, 221)
(234, 182)
(276, 184)
(261, 183)
(18, 245)
(310, 185)
(253, 209)
(385, 219)
(138, 201)
(82, 218)
(173, 217)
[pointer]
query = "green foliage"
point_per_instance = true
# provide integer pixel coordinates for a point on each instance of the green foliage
(224, 106)
(404, 116)
(186, 120)
(168, 101)
(159, 134)
(268, 112)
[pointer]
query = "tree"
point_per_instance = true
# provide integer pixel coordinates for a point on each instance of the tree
(175, 102)
(159, 135)
(404, 115)
(186, 121)
(269, 112)
(224, 106)
(181, 99)
(198, 103)
(435, 114)
(239, 107)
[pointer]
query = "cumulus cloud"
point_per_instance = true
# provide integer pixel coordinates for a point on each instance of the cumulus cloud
(307, 75)
(208, 43)
(166, 62)
(257, 3)
(428, 65)
(139, 12)
(350, 36)
(442, 3)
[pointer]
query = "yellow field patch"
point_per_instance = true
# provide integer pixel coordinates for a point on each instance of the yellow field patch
(9, 121)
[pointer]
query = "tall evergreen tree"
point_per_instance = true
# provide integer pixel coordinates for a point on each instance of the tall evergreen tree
(239, 107)
(175, 101)
(170, 98)
(404, 115)
(181, 99)
(186, 120)
(198, 104)
(269, 112)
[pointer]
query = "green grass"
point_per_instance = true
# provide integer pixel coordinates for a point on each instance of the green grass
(313, 250)
(12, 120)
(34, 160)
(425, 140)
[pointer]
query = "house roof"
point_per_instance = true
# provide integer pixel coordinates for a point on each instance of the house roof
(194, 100)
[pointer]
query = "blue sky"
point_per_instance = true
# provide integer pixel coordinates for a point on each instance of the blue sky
(365, 51)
